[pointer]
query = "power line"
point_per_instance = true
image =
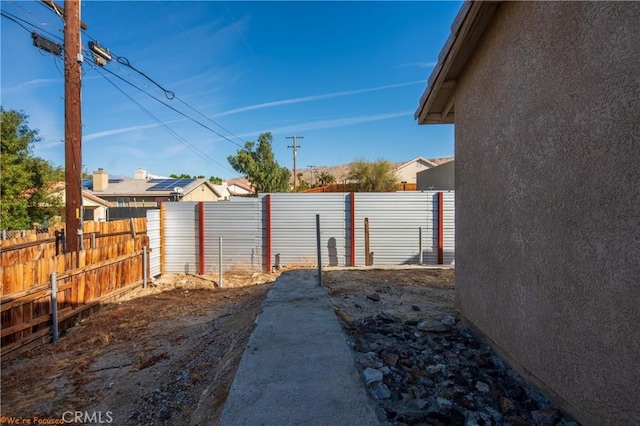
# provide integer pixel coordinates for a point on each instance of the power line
(15, 19)
(209, 119)
(171, 95)
(4, 15)
(174, 109)
(125, 62)
(164, 125)
(17, 6)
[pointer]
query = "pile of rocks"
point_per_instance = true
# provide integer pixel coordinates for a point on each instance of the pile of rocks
(435, 372)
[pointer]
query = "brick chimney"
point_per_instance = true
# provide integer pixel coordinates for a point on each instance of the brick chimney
(100, 180)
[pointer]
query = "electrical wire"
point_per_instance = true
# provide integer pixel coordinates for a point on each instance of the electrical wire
(17, 22)
(169, 94)
(161, 123)
(174, 109)
(209, 119)
(15, 19)
(17, 6)
(124, 61)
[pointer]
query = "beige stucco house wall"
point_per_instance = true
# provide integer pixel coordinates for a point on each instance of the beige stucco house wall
(202, 192)
(91, 203)
(439, 178)
(545, 97)
(407, 172)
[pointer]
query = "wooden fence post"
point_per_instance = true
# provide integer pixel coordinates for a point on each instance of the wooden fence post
(367, 248)
(54, 306)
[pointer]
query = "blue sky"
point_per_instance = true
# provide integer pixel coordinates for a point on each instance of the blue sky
(345, 75)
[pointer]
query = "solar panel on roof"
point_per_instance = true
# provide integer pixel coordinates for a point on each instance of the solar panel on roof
(155, 180)
(115, 180)
(169, 184)
(87, 183)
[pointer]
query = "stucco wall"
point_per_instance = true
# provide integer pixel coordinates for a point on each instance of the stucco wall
(201, 193)
(441, 177)
(408, 173)
(547, 134)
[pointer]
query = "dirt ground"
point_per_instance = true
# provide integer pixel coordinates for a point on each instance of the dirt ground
(409, 294)
(169, 353)
(166, 355)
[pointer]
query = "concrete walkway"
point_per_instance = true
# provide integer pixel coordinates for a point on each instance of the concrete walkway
(297, 368)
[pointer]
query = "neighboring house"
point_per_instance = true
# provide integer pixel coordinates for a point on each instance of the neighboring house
(240, 187)
(144, 192)
(406, 172)
(439, 178)
(547, 245)
(95, 207)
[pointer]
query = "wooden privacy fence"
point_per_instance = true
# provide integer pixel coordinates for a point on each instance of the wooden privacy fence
(34, 246)
(83, 279)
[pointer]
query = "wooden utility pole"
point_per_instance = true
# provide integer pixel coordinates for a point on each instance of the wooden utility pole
(295, 147)
(73, 124)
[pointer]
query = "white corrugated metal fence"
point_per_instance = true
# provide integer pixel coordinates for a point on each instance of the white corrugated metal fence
(284, 226)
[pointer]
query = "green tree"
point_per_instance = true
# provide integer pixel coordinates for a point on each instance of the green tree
(26, 183)
(180, 176)
(258, 165)
(303, 185)
(325, 178)
(375, 176)
(215, 180)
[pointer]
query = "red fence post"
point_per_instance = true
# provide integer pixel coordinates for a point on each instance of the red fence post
(352, 231)
(440, 228)
(201, 267)
(267, 225)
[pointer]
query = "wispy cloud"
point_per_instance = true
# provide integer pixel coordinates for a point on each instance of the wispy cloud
(341, 122)
(315, 98)
(328, 124)
(111, 132)
(424, 64)
(31, 83)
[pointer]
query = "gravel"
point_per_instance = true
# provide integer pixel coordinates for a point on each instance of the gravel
(435, 371)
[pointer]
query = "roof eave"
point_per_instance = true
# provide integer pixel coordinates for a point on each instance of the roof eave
(437, 102)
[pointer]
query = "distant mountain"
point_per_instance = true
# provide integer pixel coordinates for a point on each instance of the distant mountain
(341, 171)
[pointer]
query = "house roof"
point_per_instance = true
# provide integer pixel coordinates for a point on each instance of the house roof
(221, 190)
(438, 100)
(244, 186)
(416, 160)
(60, 187)
(141, 188)
(89, 196)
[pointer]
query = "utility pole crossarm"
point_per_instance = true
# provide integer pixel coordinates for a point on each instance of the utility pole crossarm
(59, 10)
(295, 147)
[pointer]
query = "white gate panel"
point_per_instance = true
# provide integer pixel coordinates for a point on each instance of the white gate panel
(153, 232)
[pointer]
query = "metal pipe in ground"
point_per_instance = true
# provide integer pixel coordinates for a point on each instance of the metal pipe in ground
(144, 267)
(319, 244)
(420, 245)
(367, 246)
(220, 261)
(54, 306)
